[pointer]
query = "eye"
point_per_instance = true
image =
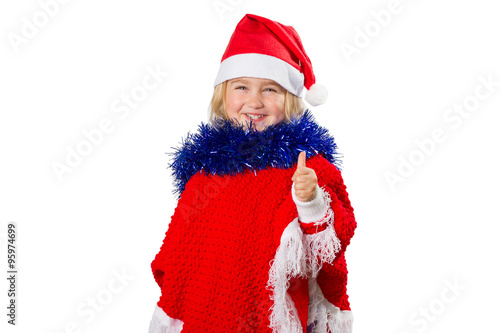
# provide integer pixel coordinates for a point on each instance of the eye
(240, 87)
(270, 89)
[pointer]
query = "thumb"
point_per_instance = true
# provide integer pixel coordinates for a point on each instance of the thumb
(302, 159)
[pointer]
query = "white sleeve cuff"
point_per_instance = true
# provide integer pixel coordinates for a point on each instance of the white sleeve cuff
(311, 211)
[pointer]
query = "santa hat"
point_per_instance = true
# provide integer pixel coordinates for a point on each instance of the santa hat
(267, 49)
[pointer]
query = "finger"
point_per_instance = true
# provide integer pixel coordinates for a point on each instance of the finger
(302, 159)
(301, 186)
(302, 175)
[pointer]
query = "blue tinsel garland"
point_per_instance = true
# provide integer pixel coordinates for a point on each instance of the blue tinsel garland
(227, 148)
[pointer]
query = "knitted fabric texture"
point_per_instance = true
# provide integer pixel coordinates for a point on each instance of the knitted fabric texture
(235, 257)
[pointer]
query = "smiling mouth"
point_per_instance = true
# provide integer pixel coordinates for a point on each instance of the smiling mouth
(255, 116)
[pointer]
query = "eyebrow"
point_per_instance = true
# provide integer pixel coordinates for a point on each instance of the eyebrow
(267, 82)
(238, 81)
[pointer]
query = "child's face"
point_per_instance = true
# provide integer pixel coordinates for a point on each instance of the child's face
(254, 96)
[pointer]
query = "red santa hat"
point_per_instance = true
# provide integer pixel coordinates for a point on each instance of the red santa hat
(262, 48)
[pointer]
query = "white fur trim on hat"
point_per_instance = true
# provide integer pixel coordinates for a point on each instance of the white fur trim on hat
(264, 67)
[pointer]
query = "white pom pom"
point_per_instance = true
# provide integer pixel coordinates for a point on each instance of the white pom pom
(316, 95)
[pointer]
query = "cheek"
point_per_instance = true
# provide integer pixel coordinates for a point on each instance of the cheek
(233, 104)
(279, 108)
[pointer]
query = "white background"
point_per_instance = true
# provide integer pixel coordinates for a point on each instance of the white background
(435, 227)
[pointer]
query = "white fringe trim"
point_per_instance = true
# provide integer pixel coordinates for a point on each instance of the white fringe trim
(320, 248)
(324, 245)
(288, 262)
(161, 323)
(324, 312)
(299, 255)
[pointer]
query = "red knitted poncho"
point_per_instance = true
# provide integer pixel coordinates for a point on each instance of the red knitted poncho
(241, 253)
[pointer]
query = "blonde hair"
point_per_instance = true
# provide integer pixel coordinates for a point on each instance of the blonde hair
(294, 106)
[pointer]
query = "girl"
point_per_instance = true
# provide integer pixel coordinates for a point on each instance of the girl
(257, 240)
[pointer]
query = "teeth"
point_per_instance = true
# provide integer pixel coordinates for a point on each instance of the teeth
(254, 117)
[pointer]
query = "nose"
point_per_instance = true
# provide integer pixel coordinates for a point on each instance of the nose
(254, 101)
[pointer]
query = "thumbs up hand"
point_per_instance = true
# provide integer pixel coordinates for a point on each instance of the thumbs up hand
(305, 180)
